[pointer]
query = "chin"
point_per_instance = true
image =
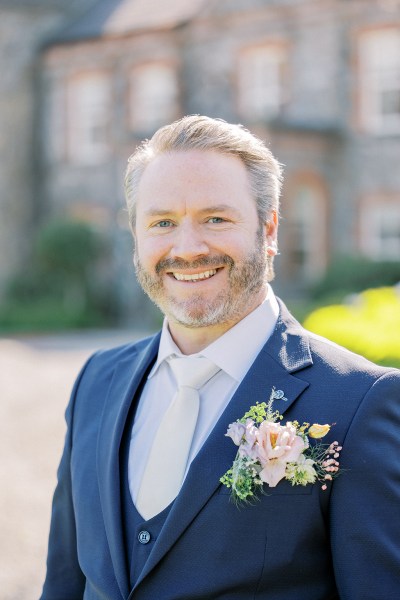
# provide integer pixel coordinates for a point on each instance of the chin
(205, 313)
(191, 314)
(192, 319)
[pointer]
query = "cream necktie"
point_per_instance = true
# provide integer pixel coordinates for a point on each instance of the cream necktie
(166, 465)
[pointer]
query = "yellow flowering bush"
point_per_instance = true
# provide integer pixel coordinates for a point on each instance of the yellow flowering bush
(369, 325)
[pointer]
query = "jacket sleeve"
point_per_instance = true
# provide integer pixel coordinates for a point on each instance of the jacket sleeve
(365, 502)
(64, 578)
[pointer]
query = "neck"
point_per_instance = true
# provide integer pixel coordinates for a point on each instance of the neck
(191, 340)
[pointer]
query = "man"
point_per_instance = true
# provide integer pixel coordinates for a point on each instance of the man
(139, 511)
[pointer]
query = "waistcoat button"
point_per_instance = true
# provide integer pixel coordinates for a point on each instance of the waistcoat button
(144, 537)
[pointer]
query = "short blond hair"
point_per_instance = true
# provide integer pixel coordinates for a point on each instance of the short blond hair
(204, 133)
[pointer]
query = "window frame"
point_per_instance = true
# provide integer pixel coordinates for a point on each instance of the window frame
(372, 209)
(373, 83)
(246, 97)
(153, 122)
(83, 117)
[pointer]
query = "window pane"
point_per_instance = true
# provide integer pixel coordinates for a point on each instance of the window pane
(153, 97)
(380, 80)
(306, 229)
(380, 229)
(89, 104)
(260, 80)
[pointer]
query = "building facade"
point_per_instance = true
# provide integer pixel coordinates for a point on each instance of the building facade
(24, 25)
(319, 81)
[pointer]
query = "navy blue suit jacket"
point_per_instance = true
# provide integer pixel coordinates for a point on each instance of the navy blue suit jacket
(296, 543)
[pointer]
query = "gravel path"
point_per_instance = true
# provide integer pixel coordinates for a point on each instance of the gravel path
(36, 377)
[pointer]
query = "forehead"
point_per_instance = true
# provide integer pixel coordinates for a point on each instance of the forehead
(197, 175)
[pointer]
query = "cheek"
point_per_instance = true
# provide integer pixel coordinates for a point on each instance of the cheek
(231, 244)
(240, 251)
(150, 250)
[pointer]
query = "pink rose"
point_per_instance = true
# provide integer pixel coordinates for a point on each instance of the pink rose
(277, 445)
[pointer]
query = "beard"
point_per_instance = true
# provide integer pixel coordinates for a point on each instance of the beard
(245, 279)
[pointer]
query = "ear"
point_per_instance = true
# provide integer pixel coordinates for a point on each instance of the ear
(271, 233)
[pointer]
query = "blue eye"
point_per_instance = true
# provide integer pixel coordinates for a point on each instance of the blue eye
(216, 220)
(163, 224)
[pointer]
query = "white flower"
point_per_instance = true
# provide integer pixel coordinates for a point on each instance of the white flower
(301, 472)
(236, 432)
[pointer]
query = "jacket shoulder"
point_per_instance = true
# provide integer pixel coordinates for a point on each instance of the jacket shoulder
(103, 362)
(342, 360)
(313, 349)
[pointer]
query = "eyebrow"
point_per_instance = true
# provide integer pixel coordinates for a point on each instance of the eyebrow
(156, 212)
(217, 208)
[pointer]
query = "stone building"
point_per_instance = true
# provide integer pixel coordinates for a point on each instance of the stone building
(24, 24)
(320, 81)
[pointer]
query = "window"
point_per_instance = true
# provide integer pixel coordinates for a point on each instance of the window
(153, 97)
(380, 228)
(304, 231)
(379, 54)
(89, 109)
(261, 81)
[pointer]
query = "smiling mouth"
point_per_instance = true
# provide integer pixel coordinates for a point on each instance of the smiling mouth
(195, 276)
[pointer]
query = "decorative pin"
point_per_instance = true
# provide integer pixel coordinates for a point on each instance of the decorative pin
(279, 395)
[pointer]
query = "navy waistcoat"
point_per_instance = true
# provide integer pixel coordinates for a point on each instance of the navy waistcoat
(139, 534)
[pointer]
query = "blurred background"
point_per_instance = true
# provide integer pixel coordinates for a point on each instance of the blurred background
(81, 84)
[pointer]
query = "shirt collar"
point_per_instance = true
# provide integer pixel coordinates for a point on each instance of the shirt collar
(250, 333)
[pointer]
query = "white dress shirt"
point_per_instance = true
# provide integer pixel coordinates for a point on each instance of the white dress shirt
(234, 353)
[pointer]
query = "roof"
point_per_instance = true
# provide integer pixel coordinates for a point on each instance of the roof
(70, 7)
(119, 17)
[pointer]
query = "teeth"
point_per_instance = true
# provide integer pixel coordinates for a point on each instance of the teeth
(195, 277)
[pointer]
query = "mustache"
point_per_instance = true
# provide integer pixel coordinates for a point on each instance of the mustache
(171, 264)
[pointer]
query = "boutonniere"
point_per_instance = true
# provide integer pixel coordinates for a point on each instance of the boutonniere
(270, 451)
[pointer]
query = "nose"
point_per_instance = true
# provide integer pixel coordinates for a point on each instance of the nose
(189, 242)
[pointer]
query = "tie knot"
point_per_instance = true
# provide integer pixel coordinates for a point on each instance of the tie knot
(192, 371)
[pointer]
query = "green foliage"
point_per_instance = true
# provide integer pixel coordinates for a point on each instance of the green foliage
(68, 247)
(242, 479)
(257, 413)
(370, 325)
(46, 315)
(62, 286)
(354, 274)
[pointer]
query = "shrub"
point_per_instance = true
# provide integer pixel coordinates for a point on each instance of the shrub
(369, 325)
(64, 286)
(46, 315)
(349, 274)
(68, 247)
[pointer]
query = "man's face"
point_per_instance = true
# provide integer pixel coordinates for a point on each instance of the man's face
(200, 250)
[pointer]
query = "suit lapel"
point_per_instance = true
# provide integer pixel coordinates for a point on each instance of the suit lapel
(125, 381)
(286, 352)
